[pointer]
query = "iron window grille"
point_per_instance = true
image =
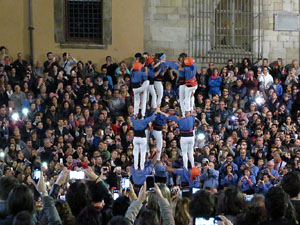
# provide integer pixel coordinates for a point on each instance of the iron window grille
(225, 29)
(83, 21)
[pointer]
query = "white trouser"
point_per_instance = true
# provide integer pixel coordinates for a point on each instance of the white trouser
(193, 100)
(159, 141)
(181, 98)
(139, 147)
(137, 98)
(159, 90)
(188, 92)
(187, 148)
(147, 132)
(151, 90)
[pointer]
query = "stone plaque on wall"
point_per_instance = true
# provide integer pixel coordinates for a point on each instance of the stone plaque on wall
(286, 22)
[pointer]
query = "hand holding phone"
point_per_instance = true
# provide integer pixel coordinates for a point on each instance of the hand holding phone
(36, 174)
(204, 221)
(116, 194)
(150, 183)
(248, 198)
(195, 190)
(77, 175)
(142, 193)
(125, 183)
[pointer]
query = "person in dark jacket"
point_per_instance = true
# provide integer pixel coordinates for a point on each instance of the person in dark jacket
(21, 199)
(6, 185)
(279, 208)
(291, 185)
(82, 196)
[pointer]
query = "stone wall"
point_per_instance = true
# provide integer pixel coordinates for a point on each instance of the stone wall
(279, 43)
(166, 28)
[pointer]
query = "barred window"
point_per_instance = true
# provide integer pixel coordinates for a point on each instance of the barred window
(234, 24)
(83, 21)
(225, 29)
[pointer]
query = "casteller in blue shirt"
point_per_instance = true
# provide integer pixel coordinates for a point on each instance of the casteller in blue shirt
(139, 176)
(191, 176)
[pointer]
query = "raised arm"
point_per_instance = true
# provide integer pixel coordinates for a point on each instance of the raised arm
(173, 118)
(151, 118)
(132, 118)
(163, 113)
(172, 65)
(170, 169)
(155, 157)
(165, 208)
(136, 205)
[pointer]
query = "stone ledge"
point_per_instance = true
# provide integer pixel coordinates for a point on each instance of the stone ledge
(82, 46)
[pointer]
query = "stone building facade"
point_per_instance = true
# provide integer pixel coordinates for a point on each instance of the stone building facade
(166, 28)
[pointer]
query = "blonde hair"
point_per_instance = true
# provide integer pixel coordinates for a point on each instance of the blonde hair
(182, 216)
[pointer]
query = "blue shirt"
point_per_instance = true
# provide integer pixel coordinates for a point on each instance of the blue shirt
(172, 65)
(160, 119)
(210, 178)
(175, 66)
(138, 76)
(162, 67)
(229, 180)
(96, 141)
(151, 73)
(185, 123)
(185, 177)
(263, 188)
(190, 72)
(141, 124)
(110, 82)
(239, 161)
(222, 169)
(170, 94)
(246, 185)
(275, 174)
(139, 176)
(254, 170)
(214, 85)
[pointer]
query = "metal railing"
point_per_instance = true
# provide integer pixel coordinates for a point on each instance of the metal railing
(225, 29)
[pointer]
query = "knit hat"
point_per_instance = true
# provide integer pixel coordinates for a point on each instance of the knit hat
(149, 61)
(188, 61)
(194, 174)
(137, 66)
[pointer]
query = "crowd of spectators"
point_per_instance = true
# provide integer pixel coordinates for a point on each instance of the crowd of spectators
(63, 115)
